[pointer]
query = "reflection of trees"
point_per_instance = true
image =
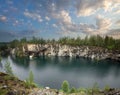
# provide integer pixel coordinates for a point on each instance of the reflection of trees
(1, 66)
(79, 65)
(23, 62)
(98, 68)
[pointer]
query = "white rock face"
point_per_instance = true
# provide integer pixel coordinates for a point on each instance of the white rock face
(32, 47)
(64, 50)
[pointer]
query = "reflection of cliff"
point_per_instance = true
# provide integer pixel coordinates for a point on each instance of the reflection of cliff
(65, 50)
(78, 65)
(1, 66)
(23, 62)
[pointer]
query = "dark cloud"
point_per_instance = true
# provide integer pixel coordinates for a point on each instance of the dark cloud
(6, 36)
(26, 33)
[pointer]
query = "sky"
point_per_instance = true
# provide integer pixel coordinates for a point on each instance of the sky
(58, 18)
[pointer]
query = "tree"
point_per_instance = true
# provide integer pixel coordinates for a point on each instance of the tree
(31, 77)
(65, 86)
(14, 43)
(30, 81)
(23, 40)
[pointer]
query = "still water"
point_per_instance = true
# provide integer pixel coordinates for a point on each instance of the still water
(79, 72)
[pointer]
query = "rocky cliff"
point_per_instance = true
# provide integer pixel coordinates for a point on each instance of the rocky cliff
(69, 51)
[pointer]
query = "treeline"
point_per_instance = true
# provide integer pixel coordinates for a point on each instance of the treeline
(106, 42)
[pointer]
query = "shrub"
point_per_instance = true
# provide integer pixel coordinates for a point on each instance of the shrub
(65, 86)
(107, 88)
(30, 81)
(95, 88)
(8, 69)
(82, 90)
(73, 90)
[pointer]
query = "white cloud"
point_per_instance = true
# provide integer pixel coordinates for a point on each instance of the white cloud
(63, 16)
(88, 7)
(102, 26)
(34, 16)
(47, 18)
(103, 23)
(117, 12)
(54, 25)
(3, 18)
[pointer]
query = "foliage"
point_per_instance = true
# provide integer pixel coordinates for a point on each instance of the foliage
(107, 88)
(8, 69)
(95, 40)
(65, 86)
(15, 43)
(89, 91)
(82, 90)
(95, 88)
(30, 81)
(73, 90)
(3, 92)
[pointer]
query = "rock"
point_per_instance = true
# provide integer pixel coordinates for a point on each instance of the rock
(47, 87)
(71, 51)
(44, 92)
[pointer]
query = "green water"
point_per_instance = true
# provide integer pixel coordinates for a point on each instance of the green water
(80, 72)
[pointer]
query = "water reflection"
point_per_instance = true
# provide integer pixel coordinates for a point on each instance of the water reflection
(51, 71)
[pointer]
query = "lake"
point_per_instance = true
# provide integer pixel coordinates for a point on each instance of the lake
(79, 72)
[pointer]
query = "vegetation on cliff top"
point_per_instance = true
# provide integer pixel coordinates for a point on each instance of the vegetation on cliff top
(106, 42)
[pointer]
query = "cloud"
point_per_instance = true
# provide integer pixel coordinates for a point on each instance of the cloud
(88, 7)
(117, 12)
(34, 16)
(6, 36)
(3, 18)
(62, 4)
(47, 18)
(118, 22)
(67, 27)
(63, 17)
(103, 23)
(54, 25)
(101, 26)
(115, 33)
(9, 2)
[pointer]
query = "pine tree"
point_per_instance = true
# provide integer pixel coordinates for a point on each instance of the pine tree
(65, 86)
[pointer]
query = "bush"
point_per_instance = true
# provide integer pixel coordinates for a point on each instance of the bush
(95, 88)
(65, 86)
(107, 88)
(8, 69)
(30, 81)
(73, 90)
(82, 90)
